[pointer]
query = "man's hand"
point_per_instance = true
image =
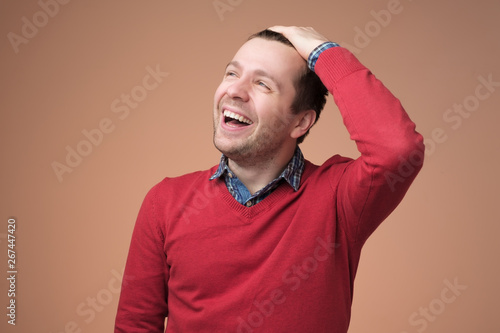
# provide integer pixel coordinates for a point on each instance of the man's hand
(305, 40)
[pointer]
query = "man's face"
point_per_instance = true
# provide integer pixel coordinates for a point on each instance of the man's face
(258, 89)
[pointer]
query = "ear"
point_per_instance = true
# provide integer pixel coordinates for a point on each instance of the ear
(305, 120)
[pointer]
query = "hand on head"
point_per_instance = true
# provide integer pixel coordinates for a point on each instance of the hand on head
(304, 39)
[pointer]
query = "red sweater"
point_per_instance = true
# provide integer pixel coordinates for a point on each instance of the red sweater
(288, 263)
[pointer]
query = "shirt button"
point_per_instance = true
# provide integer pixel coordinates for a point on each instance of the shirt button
(230, 175)
(249, 204)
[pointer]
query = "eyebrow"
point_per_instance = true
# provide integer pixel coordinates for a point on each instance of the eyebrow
(258, 72)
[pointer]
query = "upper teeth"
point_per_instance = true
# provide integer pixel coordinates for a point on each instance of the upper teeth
(237, 117)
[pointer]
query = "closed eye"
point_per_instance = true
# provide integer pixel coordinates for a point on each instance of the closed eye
(262, 84)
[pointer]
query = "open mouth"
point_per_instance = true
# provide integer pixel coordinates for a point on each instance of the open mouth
(236, 120)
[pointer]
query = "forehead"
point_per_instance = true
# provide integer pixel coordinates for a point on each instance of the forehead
(279, 60)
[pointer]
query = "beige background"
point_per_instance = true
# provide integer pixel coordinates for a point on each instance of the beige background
(73, 233)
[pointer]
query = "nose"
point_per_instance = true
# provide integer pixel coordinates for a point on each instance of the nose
(239, 89)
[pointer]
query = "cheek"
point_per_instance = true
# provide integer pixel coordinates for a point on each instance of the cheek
(275, 115)
(267, 107)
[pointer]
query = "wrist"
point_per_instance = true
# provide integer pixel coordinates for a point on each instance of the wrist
(314, 55)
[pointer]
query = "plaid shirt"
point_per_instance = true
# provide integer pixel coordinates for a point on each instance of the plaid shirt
(238, 190)
(313, 57)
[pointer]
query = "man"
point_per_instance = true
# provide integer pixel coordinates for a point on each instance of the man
(266, 241)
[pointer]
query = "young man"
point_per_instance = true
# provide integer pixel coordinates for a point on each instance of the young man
(266, 241)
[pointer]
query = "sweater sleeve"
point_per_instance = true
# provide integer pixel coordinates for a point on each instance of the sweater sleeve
(391, 150)
(143, 300)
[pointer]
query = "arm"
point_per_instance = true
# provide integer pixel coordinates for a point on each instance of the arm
(391, 150)
(143, 299)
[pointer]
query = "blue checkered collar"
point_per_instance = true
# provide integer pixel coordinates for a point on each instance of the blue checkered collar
(291, 174)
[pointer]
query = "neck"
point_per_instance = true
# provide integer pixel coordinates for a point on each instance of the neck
(256, 175)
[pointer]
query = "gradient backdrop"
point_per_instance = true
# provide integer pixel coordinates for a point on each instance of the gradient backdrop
(78, 157)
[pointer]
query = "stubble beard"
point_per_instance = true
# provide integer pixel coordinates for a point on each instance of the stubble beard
(259, 147)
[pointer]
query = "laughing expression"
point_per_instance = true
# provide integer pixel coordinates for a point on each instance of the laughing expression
(252, 105)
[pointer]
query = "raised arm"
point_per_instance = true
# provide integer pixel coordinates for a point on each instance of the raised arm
(391, 150)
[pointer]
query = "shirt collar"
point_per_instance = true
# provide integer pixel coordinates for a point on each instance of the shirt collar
(291, 174)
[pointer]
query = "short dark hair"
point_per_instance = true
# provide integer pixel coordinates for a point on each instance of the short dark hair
(311, 92)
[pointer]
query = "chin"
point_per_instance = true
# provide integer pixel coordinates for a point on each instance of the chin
(224, 147)
(221, 144)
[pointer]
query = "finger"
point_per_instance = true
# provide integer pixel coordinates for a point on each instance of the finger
(277, 28)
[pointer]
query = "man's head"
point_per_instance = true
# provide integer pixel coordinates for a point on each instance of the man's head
(310, 91)
(267, 100)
